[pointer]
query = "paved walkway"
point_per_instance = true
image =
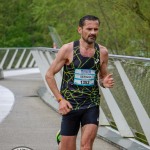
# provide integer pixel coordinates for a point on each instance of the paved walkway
(31, 122)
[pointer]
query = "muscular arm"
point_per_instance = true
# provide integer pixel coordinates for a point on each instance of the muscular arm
(61, 59)
(55, 67)
(105, 79)
(103, 62)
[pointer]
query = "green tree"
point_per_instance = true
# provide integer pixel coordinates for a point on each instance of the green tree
(125, 24)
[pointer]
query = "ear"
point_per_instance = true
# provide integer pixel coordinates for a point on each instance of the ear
(79, 30)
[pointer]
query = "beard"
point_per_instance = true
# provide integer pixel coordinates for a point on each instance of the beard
(90, 40)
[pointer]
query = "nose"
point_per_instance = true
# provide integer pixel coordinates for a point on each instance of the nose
(93, 31)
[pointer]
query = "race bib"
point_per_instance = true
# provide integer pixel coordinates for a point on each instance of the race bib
(84, 77)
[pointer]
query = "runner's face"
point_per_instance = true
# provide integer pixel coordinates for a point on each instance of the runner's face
(89, 31)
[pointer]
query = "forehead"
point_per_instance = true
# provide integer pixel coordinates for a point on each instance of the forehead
(91, 23)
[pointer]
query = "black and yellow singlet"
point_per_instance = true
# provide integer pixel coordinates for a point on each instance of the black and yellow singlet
(79, 83)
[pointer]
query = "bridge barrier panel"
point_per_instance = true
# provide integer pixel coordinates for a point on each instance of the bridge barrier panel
(120, 121)
(16, 58)
(137, 105)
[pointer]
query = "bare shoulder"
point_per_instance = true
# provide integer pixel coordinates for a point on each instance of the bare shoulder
(103, 50)
(66, 49)
(103, 54)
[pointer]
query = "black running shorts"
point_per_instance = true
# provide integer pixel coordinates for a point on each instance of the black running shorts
(71, 122)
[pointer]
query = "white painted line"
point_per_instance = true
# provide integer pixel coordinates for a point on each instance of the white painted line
(6, 102)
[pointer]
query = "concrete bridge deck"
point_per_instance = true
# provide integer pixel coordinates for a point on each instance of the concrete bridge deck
(31, 122)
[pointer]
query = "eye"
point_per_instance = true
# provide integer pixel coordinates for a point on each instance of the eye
(95, 29)
(89, 29)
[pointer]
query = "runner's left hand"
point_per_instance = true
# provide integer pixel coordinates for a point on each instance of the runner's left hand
(108, 81)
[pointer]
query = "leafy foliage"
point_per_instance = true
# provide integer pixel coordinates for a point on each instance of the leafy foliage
(125, 24)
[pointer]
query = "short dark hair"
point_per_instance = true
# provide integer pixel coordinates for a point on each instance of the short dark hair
(88, 17)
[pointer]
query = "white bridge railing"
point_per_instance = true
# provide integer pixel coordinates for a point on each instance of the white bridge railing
(125, 107)
(15, 58)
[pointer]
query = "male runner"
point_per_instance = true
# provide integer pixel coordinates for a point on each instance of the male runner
(85, 66)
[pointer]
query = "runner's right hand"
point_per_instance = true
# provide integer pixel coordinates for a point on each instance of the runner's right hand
(64, 107)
